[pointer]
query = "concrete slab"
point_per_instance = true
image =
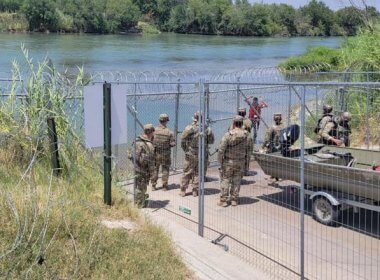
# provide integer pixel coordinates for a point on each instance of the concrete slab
(206, 260)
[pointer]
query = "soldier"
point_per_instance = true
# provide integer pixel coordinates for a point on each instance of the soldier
(326, 129)
(272, 137)
(163, 141)
(189, 144)
(231, 156)
(144, 166)
(247, 125)
(344, 128)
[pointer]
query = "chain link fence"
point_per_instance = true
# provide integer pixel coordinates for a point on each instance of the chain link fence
(312, 213)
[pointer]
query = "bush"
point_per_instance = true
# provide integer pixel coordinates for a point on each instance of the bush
(315, 59)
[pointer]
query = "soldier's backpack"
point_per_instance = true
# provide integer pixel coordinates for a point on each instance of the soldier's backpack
(318, 127)
(237, 144)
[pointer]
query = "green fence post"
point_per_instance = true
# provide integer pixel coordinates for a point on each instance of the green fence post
(107, 142)
(53, 143)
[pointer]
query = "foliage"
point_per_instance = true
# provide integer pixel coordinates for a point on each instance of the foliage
(357, 54)
(317, 58)
(12, 22)
(51, 226)
(148, 28)
(360, 53)
(222, 17)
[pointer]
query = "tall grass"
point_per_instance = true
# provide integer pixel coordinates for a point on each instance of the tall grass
(51, 227)
(360, 53)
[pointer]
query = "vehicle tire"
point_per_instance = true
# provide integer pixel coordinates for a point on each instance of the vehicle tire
(324, 212)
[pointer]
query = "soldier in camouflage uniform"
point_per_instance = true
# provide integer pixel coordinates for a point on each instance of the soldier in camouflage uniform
(344, 128)
(326, 129)
(231, 156)
(144, 166)
(272, 137)
(189, 144)
(163, 141)
(247, 125)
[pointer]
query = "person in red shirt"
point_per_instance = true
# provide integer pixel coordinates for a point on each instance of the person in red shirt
(255, 113)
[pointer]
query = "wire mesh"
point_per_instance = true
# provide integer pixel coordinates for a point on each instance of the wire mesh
(268, 227)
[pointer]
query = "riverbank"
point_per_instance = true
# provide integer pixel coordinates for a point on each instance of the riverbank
(213, 17)
(53, 220)
(357, 54)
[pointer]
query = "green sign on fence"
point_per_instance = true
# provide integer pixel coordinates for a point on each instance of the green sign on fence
(185, 210)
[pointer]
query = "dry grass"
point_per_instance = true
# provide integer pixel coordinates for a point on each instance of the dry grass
(51, 229)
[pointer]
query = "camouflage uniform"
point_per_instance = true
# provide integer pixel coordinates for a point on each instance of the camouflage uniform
(231, 155)
(272, 136)
(247, 125)
(344, 128)
(326, 130)
(144, 164)
(163, 141)
(189, 144)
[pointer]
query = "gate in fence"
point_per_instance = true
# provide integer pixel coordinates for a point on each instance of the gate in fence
(273, 225)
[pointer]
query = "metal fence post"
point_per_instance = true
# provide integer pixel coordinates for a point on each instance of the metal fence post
(107, 142)
(302, 187)
(201, 157)
(53, 139)
(134, 139)
(367, 132)
(289, 104)
(176, 121)
(238, 94)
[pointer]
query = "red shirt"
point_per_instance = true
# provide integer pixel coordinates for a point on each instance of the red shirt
(255, 109)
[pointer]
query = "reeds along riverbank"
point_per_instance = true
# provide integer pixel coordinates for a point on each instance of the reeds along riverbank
(51, 226)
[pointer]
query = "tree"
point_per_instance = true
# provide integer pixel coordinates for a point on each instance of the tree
(350, 19)
(284, 15)
(10, 5)
(41, 14)
(321, 16)
(121, 15)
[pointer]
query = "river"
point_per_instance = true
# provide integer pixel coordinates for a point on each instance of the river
(164, 52)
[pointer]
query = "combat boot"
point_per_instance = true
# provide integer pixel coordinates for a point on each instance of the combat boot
(154, 188)
(165, 187)
(222, 202)
(182, 192)
(195, 192)
(234, 202)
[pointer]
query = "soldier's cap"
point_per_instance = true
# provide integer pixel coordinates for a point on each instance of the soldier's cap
(148, 128)
(327, 108)
(277, 115)
(242, 110)
(238, 119)
(346, 116)
(164, 117)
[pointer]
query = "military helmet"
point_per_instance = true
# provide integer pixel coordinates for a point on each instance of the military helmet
(196, 116)
(327, 108)
(148, 128)
(238, 119)
(164, 118)
(277, 116)
(346, 116)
